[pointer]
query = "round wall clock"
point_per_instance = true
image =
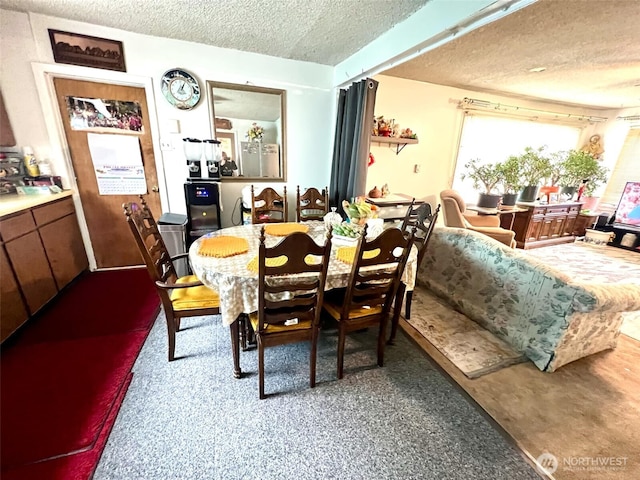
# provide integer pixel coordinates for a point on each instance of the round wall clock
(181, 89)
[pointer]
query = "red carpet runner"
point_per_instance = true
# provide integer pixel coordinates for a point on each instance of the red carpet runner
(66, 374)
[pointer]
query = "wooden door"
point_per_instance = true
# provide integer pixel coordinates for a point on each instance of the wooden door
(111, 238)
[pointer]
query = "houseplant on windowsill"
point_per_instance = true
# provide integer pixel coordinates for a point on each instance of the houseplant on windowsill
(580, 166)
(487, 176)
(535, 166)
(511, 173)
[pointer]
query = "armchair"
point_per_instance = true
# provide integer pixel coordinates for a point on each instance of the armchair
(454, 208)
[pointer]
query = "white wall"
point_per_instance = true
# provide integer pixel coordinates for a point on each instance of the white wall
(310, 96)
(431, 111)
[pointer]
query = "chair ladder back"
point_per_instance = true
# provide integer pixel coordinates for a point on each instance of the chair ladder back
(274, 203)
(312, 204)
(377, 288)
(424, 221)
(150, 243)
(305, 292)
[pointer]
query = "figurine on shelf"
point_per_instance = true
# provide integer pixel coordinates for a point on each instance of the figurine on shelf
(583, 185)
(385, 190)
(408, 133)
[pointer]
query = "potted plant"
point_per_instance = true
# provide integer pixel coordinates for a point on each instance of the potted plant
(511, 174)
(579, 166)
(535, 166)
(487, 176)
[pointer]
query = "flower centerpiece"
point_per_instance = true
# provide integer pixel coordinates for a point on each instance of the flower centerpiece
(255, 133)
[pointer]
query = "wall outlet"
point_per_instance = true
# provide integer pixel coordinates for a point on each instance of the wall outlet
(166, 144)
(416, 168)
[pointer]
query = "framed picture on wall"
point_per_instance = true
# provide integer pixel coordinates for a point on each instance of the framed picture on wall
(87, 51)
(227, 144)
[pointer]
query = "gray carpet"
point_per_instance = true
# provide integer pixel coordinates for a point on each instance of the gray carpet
(190, 419)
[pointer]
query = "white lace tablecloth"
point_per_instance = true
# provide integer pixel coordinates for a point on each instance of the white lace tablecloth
(238, 286)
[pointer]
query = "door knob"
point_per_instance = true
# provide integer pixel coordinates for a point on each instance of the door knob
(155, 189)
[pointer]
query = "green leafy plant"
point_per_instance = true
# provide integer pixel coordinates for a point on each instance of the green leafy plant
(486, 175)
(535, 165)
(579, 166)
(511, 175)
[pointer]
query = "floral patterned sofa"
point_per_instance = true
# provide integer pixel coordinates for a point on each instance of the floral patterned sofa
(551, 316)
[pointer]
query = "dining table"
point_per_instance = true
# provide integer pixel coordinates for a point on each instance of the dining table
(236, 281)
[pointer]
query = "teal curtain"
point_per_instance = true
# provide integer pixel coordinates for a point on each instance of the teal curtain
(352, 139)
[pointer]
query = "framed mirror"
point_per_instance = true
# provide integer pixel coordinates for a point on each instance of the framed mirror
(250, 123)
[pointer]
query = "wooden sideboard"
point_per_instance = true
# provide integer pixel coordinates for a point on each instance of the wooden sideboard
(41, 251)
(541, 225)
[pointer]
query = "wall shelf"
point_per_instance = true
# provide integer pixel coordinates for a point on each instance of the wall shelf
(399, 143)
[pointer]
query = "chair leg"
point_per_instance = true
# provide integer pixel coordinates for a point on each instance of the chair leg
(261, 368)
(171, 333)
(234, 329)
(397, 305)
(407, 307)
(341, 340)
(314, 354)
(178, 324)
(381, 340)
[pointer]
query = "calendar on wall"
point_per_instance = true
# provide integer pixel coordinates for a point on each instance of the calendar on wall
(117, 162)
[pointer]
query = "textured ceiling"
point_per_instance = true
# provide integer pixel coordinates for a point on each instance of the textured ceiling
(246, 105)
(319, 31)
(590, 48)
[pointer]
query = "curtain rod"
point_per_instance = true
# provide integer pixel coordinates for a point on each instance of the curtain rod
(480, 105)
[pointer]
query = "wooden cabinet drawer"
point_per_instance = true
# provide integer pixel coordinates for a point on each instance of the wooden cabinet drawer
(539, 210)
(14, 312)
(63, 244)
(16, 226)
(575, 209)
(53, 211)
(31, 267)
(557, 210)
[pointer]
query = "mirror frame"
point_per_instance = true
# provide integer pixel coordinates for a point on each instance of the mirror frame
(283, 121)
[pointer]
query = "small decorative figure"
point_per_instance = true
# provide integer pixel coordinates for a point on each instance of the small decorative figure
(385, 190)
(594, 147)
(583, 185)
(375, 192)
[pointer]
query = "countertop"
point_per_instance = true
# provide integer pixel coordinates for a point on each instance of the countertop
(13, 203)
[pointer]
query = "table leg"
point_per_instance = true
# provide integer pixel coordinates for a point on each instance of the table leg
(235, 347)
(397, 306)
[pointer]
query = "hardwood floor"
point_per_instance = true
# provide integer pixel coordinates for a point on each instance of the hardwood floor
(587, 411)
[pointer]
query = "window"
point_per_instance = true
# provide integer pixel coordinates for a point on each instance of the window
(627, 169)
(493, 139)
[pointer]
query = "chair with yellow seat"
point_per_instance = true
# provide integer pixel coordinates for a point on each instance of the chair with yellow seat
(181, 297)
(291, 276)
(312, 204)
(370, 292)
(455, 215)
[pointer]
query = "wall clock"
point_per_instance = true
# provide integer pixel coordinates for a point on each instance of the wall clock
(181, 89)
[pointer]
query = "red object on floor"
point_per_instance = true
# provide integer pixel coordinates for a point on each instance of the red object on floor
(65, 376)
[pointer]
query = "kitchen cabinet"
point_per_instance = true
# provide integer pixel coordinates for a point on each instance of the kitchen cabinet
(12, 307)
(541, 225)
(41, 252)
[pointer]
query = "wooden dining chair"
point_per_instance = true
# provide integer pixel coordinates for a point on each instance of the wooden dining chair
(290, 295)
(312, 204)
(181, 297)
(269, 206)
(420, 217)
(370, 292)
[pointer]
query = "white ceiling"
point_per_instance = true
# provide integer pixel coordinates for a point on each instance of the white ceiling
(590, 48)
(319, 31)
